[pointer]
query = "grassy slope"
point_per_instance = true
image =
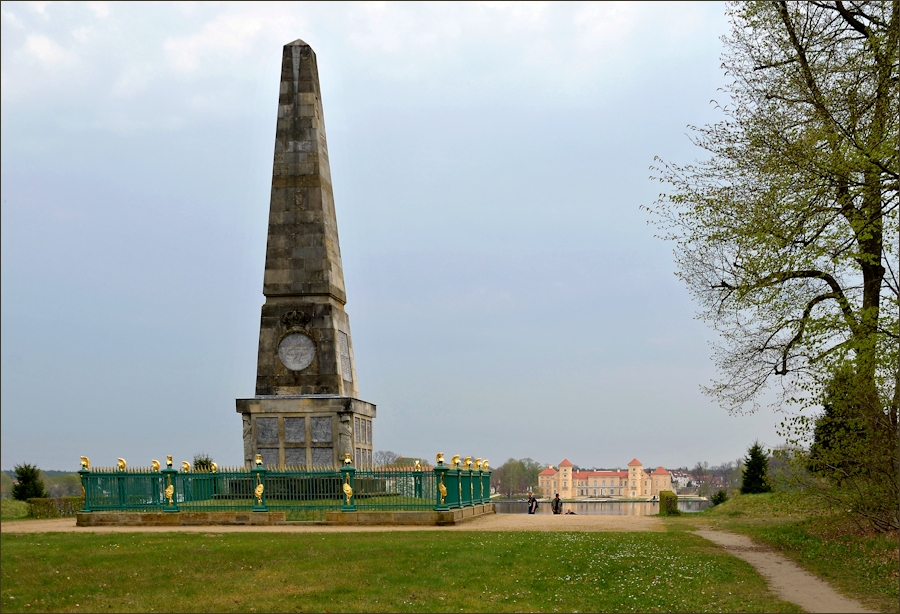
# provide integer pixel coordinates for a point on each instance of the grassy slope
(862, 565)
(413, 571)
(10, 509)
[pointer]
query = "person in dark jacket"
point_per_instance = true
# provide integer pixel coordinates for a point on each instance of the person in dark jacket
(532, 504)
(556, 505)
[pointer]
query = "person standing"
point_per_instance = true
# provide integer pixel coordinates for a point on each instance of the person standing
(556, 505)
(532, 503)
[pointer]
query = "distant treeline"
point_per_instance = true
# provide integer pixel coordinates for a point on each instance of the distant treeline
(57, 483)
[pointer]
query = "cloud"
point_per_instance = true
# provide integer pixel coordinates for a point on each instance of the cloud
(48, 51)
(38, 6)
(100, 9)
(12, 20)
(233, 34)
(132, 80)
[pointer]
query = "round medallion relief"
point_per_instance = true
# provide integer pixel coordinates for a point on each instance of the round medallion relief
(296, 351)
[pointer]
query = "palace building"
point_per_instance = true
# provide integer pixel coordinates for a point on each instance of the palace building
(633, 483)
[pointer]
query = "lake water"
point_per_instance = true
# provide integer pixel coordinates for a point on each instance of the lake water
(612, 508)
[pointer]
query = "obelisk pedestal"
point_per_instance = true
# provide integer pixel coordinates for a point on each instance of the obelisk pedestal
(305, 412)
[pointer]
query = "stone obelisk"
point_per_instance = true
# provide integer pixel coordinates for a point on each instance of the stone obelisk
(305, 412)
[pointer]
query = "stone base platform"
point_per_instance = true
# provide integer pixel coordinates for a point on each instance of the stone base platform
(163, 519)
(419, 518)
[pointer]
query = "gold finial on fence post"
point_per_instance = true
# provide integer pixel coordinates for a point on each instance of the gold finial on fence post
(213, 467)
(455, 461)
(154, 464)
(185, 466)
(120, 463)
(484, 465)
(259, 460)
(85, 462)
(168, 460)
(439, 459)
(478, 464)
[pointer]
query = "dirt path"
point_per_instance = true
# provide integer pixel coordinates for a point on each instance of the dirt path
(786, 579)
(493, 522)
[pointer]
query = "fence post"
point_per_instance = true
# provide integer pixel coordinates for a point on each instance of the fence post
(348, 475)
(465, 491)
(259, 490)
(486, 486)
(477, 485)
(417, 481)
(170, 476)
(440, 471)
(86, 485)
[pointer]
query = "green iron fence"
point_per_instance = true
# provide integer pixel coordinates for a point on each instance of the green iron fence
(302, 493)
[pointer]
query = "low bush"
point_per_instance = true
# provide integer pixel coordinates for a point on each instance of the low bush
(668, 503)
(720, 497)
(56, 507)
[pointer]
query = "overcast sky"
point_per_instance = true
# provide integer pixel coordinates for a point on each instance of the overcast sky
(506, 295)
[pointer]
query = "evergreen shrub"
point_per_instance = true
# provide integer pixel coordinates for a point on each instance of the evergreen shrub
(720, 497)
(28, 483)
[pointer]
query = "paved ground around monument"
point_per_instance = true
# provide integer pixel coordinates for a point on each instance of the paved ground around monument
(493, 522)
(785, 578)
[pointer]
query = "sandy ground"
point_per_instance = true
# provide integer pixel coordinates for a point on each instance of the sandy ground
(786, 579)
(493, 522)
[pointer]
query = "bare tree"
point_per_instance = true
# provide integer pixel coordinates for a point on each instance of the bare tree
(385, 458)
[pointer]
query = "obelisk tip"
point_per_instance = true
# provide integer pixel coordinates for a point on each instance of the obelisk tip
(298, 43)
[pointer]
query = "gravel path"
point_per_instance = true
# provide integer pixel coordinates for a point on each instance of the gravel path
(786, 579)
(493, 522)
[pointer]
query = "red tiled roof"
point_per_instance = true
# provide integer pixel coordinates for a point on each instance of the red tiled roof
(565, 463)
(659, 471)
(548, 471)
(635, 462)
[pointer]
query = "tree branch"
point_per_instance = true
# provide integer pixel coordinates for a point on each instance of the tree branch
(801, 329)
(836, 290)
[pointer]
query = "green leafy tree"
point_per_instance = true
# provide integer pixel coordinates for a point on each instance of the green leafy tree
(203, 462)
(786, 232)
(29, 484)
(516, 477)
(63, 485)
(756, 469)
(839, 435)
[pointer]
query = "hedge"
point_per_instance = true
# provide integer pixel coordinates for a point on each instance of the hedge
(55, 507)
(668, 503)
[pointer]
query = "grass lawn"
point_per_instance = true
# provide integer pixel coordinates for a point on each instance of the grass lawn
(409, 571)
(10, 509)
(861, 564)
